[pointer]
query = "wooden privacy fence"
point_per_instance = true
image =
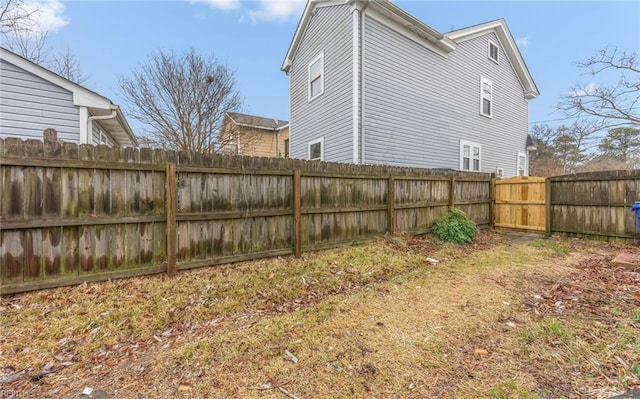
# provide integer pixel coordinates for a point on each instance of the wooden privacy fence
(596, 204)
(70, 213)
(520, 204)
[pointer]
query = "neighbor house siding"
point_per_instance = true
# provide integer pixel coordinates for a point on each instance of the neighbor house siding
(30, 104)
(419, 104)
(262, 143)
(330, 114)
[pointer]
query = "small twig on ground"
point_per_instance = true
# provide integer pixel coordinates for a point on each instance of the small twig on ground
(289, 394)
(269, 385)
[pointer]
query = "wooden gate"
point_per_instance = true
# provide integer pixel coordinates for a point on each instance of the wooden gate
(520, 204)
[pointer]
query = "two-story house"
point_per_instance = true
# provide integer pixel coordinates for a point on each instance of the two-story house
(369, 83)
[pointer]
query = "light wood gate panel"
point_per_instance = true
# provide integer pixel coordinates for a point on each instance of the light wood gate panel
(520, 204)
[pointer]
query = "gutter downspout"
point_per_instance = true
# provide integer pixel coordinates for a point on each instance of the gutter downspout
(362, 80)
(275, 132)
(90, 120)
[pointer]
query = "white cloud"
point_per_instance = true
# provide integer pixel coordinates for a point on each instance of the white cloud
(586, 91)
(276, 10)
(47, 14)
(225, 5)
(523, 41)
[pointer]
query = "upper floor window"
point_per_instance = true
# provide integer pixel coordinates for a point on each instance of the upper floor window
(316, 150)
(316, 77)
(493, 51)
(486, 97)
(469, 156)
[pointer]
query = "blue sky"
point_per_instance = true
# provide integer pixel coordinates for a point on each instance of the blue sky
(111, 38)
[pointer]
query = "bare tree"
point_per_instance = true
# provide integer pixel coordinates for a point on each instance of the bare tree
(30, 45)
(614, 105)
(16, 17)
(182, 99)
(544, 161)
(67, 65)
(22, 34)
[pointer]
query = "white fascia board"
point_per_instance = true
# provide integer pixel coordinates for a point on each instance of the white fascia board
(125, 126)
(271, 129)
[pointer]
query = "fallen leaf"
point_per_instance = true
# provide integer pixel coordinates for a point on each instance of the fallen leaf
(480, 352)
(185, 387)
(40, 326)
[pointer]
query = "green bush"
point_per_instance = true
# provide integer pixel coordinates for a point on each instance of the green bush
(455, 227)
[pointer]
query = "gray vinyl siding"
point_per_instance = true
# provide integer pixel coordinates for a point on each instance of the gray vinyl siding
(330, 114)
(95, 135)
(419, 104)
(30, 104)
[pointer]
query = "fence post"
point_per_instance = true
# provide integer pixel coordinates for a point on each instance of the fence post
(492, 201)
(452, 192)
(547, 206)
(391, 224)
(297, 223)
(170, 211)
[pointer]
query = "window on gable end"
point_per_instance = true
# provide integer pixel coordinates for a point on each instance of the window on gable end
(316, 77)
(486, 97)
(493, 51)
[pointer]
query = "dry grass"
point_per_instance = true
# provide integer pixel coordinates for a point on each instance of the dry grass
(494, 320)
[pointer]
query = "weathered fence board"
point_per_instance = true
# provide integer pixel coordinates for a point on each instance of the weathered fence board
(72, 213)
(596, 204)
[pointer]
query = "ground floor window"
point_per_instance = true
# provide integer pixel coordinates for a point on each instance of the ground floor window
(316, 149)
(522, 164)
(470, 155)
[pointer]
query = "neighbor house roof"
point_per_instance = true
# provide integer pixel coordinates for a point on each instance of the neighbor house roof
(257, 122)
(443, 43)
(97, 104)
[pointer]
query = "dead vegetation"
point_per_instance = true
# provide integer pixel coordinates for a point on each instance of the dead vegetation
(496, 319)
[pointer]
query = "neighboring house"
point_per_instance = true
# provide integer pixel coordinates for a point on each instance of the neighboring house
(369, 83)
(254, 136)
(33, 98)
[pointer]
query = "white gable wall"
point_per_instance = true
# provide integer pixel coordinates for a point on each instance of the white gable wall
(30, 104)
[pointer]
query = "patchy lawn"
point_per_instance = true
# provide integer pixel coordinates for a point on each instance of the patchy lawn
(501, 318)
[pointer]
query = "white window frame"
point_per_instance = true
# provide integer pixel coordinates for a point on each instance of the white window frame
(471, 145)
(486, 81)
(316, 141)
(492, 43)
(526, 168)
(319, 58)
(499, 172)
